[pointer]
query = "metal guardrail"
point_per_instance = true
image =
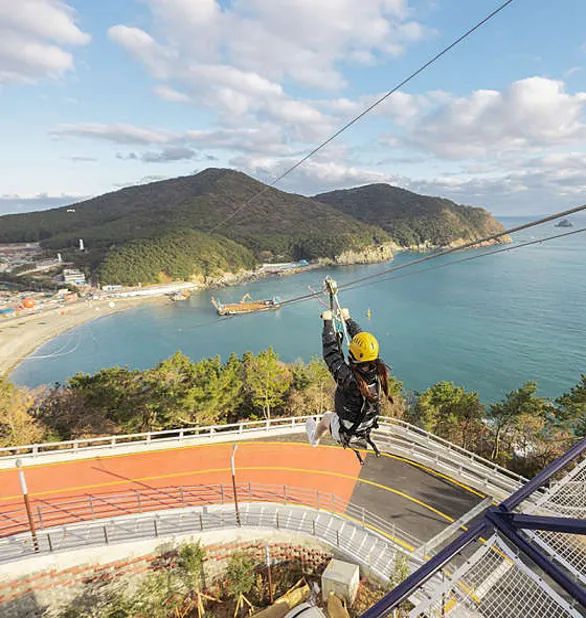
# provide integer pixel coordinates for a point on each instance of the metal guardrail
(398, 436)
(521, 576)
(150, 438)
(448, 461)
(107, 505)
(363, 535)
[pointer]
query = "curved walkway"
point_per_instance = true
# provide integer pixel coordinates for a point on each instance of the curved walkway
(416, 500)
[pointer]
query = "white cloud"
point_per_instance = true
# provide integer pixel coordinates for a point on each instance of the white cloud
(264, 138)
(400, 106)
(234, 60)
(531, 113)
(299, 39)
(141, 181)
(166, 155)
(82, 159)
(318, 175)
(117, 133)
(32, 33)
(171, 95)
(236, 95)
(541, 184)
(158, 59)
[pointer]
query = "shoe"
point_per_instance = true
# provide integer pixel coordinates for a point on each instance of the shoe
(310, 427)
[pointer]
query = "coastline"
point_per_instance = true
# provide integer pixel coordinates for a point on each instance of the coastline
(20, 337)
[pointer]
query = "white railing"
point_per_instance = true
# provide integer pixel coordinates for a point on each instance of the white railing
(396, 436)
(229, 431)
(88, 508)
(358, 533)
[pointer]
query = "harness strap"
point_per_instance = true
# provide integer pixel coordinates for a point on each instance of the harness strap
(362, 414)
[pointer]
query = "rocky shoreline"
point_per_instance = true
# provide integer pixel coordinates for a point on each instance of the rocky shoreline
(371, 255)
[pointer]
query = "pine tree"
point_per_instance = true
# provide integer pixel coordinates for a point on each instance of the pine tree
(267, 380)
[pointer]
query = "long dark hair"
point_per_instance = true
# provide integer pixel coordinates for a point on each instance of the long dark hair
(383, 376)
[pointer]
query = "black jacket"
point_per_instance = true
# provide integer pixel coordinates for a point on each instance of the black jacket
(357, 414)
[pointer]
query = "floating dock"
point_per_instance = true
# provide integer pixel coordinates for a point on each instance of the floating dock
(244, 306)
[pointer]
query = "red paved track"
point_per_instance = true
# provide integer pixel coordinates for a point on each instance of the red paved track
(330, 470)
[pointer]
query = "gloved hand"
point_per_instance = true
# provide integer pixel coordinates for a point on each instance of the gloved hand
(327, 315)
(345, 314)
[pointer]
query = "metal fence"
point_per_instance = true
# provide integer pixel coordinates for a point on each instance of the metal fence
(494, 582)
(395, 436)
(110, 518)
(565, 499)
(533, 564)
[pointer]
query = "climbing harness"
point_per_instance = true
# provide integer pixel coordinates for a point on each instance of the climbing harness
(350, 438)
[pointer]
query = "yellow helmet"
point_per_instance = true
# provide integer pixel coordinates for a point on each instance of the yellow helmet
(364, 347)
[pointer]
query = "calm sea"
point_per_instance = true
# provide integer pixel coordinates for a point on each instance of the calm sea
(489, 324)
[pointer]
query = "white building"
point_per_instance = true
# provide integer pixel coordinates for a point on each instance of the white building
(73, 276)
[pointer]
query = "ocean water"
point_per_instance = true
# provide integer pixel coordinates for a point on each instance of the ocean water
(489, 324)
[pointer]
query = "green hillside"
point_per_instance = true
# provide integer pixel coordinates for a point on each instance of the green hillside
(276, 223)
(186, 226)
(179, 255)
(410, 218)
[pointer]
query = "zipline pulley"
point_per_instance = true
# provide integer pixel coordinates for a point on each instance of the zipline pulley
(339, 324)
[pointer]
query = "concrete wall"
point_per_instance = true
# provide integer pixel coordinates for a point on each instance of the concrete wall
(40, 586)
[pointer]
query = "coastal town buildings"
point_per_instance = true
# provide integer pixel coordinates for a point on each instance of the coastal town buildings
(17, 255)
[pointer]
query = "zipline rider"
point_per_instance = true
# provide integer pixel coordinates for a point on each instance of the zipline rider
(360, 383)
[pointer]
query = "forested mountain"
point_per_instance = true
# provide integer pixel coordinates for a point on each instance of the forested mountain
(275, 222)
(223, 220)
(410, 218)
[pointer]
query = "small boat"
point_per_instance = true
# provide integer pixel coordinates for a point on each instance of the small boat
(244, 306)
(564, 223)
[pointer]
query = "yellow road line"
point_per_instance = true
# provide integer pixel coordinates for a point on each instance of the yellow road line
(251, 468)
(436, 473)
(251, 443)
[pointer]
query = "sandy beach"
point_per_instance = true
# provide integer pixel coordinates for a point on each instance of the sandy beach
(21, 336)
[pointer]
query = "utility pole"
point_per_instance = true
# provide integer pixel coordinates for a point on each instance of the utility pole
(234, 449)
(27, 504)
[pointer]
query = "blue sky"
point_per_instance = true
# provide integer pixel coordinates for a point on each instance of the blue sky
(95, 96)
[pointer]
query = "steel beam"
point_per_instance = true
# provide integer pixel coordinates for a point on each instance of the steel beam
(539, 522)
(575, 590)
(418, 578)
(540, 479)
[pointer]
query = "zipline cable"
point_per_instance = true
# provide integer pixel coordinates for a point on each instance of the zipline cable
(467, 245)
(361, 115)
(468, 259)
(450, 250)
(351, 285)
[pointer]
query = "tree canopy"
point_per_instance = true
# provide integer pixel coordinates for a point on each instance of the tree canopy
(523, 431)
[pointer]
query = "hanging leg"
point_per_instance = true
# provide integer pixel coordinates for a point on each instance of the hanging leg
(316, 431)
(359, 457)
(373, 446)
